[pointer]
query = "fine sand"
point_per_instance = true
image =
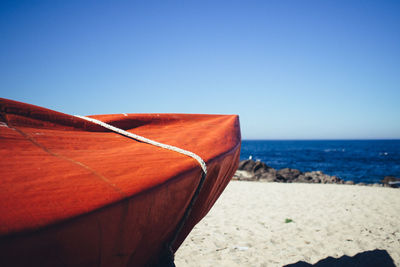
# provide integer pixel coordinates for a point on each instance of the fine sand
(248, 227)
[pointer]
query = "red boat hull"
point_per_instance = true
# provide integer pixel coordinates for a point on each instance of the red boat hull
(75, 194)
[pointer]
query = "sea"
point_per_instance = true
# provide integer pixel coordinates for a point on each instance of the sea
(367, 161)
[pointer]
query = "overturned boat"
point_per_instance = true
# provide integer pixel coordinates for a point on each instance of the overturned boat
(107, 190)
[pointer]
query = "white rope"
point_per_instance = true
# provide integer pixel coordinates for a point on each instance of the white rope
(148, 141)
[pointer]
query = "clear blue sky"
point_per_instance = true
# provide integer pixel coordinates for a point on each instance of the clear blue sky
(290, 69)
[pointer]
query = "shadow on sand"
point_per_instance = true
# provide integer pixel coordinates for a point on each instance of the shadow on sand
(365, 259)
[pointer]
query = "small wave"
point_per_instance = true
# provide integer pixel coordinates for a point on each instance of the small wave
(334, 150)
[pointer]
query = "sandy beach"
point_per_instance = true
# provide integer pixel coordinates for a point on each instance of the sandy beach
(278, 224)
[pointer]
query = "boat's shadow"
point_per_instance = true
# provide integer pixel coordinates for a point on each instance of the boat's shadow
(370, 258)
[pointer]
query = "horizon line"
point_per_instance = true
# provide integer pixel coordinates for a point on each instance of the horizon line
(322, 139)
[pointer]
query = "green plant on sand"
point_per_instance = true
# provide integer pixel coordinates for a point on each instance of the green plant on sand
(287, 220)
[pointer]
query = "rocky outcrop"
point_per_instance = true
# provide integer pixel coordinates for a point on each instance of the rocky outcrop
(250, 170)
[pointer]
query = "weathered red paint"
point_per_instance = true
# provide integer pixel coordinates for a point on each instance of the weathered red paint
(75, 194)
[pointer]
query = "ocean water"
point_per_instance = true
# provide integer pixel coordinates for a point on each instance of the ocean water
(367, 161)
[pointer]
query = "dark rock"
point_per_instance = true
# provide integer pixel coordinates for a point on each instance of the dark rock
(255, 167)
(391, 181)
(260, 168)
(319, 177)
(333, 180)
(287, 175)
(269, 176)
(306, 178)
(246, 165)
